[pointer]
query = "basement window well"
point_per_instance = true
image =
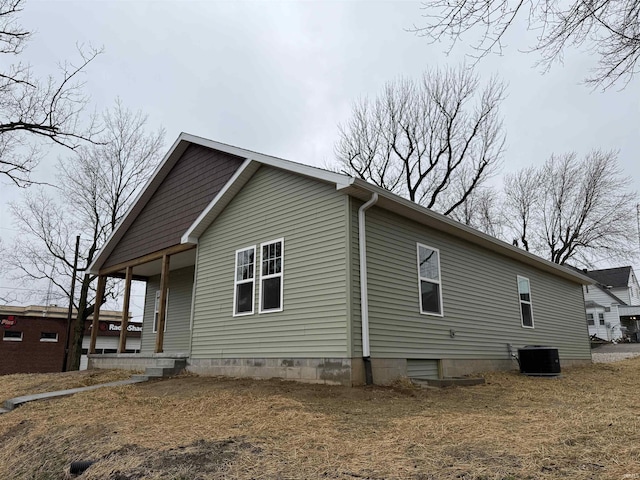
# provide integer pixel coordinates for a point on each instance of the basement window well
(48, 337)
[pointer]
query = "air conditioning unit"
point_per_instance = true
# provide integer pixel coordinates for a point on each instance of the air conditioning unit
(537, 360)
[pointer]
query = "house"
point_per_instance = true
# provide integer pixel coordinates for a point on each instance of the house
(254, 267)
(34, 338)
(613, 303)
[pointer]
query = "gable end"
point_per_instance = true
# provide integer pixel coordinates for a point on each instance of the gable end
(191, 184)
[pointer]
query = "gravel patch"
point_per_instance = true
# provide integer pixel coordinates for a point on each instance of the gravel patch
(612, 357)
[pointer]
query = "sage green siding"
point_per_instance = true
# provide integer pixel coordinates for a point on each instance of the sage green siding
(422, 369)
(480, 298)
(312, 218)
(178, 334)
(356, 325)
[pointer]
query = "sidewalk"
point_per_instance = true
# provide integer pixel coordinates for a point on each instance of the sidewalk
(18, 401)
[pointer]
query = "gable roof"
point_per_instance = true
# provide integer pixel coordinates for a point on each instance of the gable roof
(348, 185)
(611, 277)
(608, 292)
(592, 304)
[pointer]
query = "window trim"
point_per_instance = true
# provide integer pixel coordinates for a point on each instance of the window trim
(12, 339)
(156, 312)
(530, 302)
(49, 340)
(420, 278)
(236, 283)
(601, 320)
(592, 320)
(274, 275)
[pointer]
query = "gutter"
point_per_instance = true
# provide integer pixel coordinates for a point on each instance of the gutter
(364, 297)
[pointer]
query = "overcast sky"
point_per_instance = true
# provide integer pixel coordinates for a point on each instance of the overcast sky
(277, 77)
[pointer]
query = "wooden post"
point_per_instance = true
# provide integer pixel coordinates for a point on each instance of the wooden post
(96, 312)
(124, 323)
(162, 308)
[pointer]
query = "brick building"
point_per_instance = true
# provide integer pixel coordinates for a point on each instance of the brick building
(33, 338)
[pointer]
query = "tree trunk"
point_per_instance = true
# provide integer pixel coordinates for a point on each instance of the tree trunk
(77, 326)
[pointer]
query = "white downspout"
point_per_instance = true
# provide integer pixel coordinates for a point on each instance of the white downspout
(364, 298)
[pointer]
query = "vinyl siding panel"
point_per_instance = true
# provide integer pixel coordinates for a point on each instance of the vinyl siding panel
(311, 217)
(177, 336)
(356, 324)
(480, 299)
(188, 188)
(422, 369)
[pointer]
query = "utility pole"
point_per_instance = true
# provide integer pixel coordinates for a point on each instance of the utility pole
(70, 310)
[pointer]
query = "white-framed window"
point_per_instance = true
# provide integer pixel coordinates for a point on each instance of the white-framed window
(526, 307)
(601, 318)
(244, 281)
(271, 275)
(12, 336)
(429, 280)
(48, 337)
(590, 320)
(156, 312)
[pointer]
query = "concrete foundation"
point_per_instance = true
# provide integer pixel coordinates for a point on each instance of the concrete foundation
(388, 370)
(334, 371)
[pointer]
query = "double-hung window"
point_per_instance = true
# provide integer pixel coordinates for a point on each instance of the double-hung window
(244, 283)
(429, 280)
(590, 320)
(156, 314)
(271, 275)
(526, 308)
(601, 318)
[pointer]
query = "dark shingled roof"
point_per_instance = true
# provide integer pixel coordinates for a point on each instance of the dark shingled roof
(611, 277)
(592, 304)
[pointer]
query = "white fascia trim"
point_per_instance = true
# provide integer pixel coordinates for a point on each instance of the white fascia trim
(402, 206)
(194, 231)
(318, 173)
(129, 217)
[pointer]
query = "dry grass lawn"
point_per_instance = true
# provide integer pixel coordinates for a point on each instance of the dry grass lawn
(24, 384)
(585, 425)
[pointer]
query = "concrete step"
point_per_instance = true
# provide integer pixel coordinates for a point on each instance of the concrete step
(141, 378)
(4, 410)
(158, 372)
(448, 382)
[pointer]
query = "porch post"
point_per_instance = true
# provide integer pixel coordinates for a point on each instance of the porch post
(96, 312)
(162, 308)
(124, 323)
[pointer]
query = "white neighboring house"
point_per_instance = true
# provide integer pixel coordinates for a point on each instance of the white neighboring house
(613, 303)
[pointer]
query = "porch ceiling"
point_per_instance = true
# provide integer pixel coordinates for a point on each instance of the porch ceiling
(178, 260)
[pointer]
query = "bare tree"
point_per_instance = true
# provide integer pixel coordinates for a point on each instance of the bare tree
(609, 30)
(33, 109)
(97, 185)
(521, 191)
(433, 141)
(482, 211)
(573, 211)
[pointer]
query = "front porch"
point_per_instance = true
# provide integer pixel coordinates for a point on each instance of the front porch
(166, 332)
(153, 365)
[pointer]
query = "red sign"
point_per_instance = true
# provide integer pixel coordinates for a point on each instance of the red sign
(8, 322)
